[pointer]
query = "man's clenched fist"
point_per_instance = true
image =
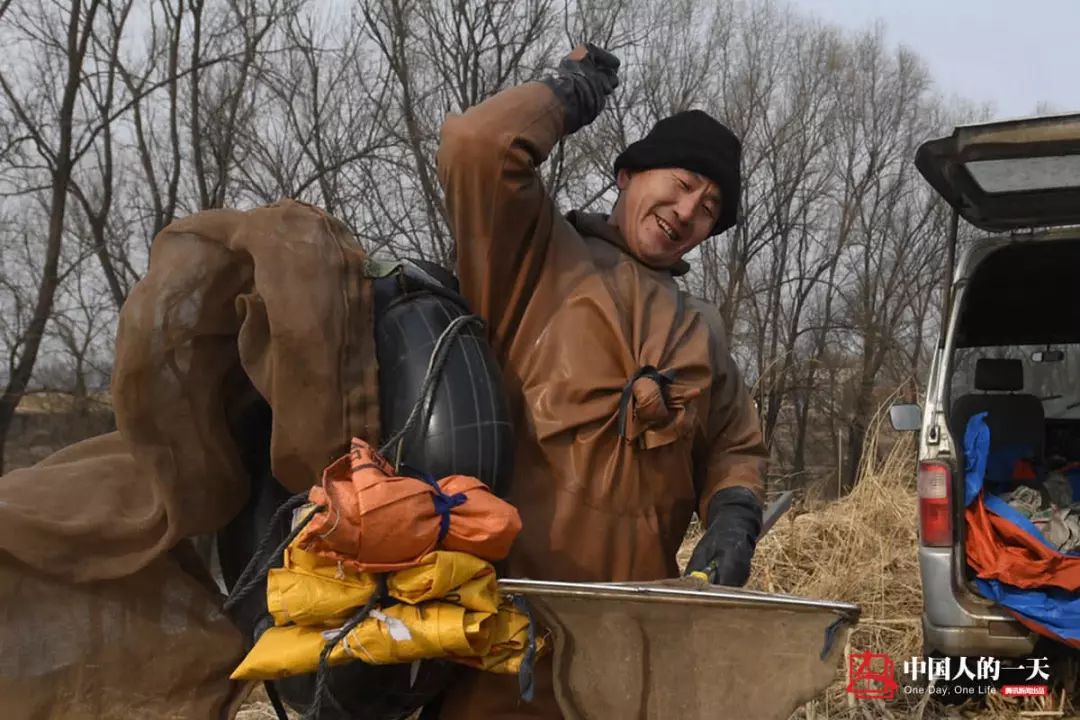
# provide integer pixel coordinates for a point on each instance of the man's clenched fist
(582, 82)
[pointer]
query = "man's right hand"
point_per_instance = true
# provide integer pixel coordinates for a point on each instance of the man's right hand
(582, 82)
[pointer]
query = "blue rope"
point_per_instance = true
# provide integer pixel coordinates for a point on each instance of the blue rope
(443, 503)
(528, 659)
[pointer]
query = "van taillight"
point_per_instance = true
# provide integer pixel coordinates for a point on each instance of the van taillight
(935, 517)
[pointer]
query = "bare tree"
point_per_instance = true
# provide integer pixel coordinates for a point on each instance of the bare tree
(96, 200)
(82, 319)
(48, 116)
(442, 57)
(222, 98)
(140, 112)
(159, 157)
(892, 222)
(796, 134)
(319, 131)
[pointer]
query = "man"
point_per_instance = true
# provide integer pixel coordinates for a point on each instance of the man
(629, 410)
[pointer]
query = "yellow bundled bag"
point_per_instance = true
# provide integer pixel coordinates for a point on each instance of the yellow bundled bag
(509, 641)
(456, 577)
(397, 634)
(312, 590)
(451, 609)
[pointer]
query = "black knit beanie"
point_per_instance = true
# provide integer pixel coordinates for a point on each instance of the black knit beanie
(692, 140)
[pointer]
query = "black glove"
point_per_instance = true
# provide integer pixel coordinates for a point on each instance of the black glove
(725, 551)
(582, 82)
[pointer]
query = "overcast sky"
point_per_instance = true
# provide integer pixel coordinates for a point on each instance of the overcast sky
(1012, 53)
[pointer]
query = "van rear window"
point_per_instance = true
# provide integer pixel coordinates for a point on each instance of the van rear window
(1028, 173)
(1056, 384)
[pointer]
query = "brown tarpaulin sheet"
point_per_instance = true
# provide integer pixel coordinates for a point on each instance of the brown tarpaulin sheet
(104, 612)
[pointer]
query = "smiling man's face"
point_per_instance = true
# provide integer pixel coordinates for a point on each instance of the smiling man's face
(665, 213)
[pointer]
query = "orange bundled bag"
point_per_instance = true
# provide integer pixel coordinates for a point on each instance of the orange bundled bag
(376, 521)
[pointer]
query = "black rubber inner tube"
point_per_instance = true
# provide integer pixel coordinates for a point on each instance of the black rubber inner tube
(467, 431)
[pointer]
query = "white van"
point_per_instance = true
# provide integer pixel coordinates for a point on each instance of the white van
(1010, 347)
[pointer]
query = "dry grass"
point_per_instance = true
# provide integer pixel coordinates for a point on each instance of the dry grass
(44, 402)
(861, 549)
(258, 707)
(858, 549)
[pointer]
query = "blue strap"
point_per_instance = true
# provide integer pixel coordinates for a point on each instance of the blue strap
(443, 503)
(830, 636)
(528, 659)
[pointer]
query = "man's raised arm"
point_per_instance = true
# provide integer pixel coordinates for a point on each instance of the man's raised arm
(500, 215)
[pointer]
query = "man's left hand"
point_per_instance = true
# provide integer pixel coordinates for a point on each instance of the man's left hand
(725, 550)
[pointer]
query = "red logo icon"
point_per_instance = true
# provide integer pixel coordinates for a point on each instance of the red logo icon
(871, 676)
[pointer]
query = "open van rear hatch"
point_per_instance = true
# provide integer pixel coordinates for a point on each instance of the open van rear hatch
(1009, 175)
